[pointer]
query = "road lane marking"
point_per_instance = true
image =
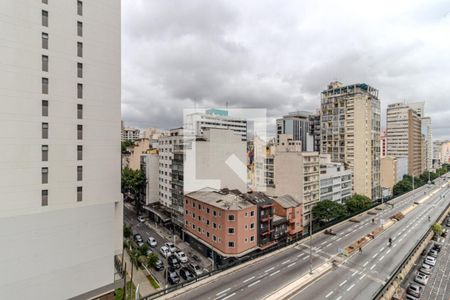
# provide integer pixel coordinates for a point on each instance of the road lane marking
(356, 272)
(339, 239)
(300, 255)
(268, 270)
(329, 294)
(360, 278)
(285, 262)
(224, 291)
(381, 258)
(274, 273)
(339, 298)
(323, 243)
(291, 265)
(387, 252)
(254, 283)
(329, 244)
(365, 264)
(375, 255)
(381, 249)
(229, 296)
(248, 279)
(350, 287)
(306, 257)
(373, 266)
(342, 283)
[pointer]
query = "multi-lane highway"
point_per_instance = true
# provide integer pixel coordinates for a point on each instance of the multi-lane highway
(261, 279)
(363, 274)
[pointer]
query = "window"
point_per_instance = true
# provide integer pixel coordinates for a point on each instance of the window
(214, 213)
(44, 108)
(230, 217)
(80, 49)
(79, 152)
(252, 238)
(79, 193)
(230, 230)
(207, 234)
(79, 132)
(252, 213)
(44, 85)
(79, 173)
(44, 150)
(45, 63)
(199, 218)
(44, 1)
(80, 111)
(252, 225)
(80, 91)
(45, 130)
(44, 173)
(193, 226)
(45, 18)
(44, 197)
(214, 225)
(207, 222)
(44, 40)
(80, 70)
(79, 28)
(193, 215)
(207, 210)
(214, 238)
(230, 244)
(80, 8)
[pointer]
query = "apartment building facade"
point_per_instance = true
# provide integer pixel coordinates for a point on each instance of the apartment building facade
(290, 208)
(350, 133)
(335, 180)
(130, 134)
(296, 173)
(383, 143)
(404, 136)
(150, 167)
(60, 114)
(298, 126)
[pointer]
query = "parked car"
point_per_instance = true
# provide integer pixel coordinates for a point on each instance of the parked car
(171, 247)
(437, 247)
(186, 274)
(421, 278)
(429, 260)
(195, 269)
(433, 253)
(140, 243)
(173, 262)
(172, 276)
(159, 266)
(164, 251)
(151, 241)
(138, 237)
(411, 297)
(181, 256)
(149, 251)
(414, 290)
(426, 269)
(141, 219)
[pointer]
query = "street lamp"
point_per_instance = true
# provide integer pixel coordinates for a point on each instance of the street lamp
(310, 242)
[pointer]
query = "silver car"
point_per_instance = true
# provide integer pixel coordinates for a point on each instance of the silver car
(429, 260)
(421, 278)
(426, 269)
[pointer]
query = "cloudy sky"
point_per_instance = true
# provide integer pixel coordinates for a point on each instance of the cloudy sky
(280, 55)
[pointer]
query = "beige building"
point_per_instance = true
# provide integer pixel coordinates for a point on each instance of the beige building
(350, 133)
(404, 137)
(296, 173)
(388, 172)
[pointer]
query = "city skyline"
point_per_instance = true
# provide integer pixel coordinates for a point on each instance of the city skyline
(283, 63)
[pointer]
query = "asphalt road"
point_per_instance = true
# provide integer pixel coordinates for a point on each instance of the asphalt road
(272, 273)
(438, 286)
(362, 275)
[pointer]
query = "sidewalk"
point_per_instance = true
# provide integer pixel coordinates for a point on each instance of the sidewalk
(139, 277)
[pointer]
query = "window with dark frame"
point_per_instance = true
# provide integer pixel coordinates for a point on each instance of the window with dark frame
(44, 63)
(44, 173)
(80, 91)
(44, 85)
(80, 70)
(80, 8)
(79, 193)
(79, 152)
(45, 108)
(79, 132)
(79, 49)
(44, 197)
(44, 40)
(80, 28)
(45, 130)
(45, 18)
(79, 111)
(79, 173)
(44, 150)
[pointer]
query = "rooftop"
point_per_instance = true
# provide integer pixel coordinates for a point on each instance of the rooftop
(224, 199)
(288, 201)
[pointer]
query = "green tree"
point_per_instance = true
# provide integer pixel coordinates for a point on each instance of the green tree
(142, 260)
(403, 186)
(328, 210)
(133, 185)
(127, 231)
(152, 259)
(125, 145)
(437, 228)
(358, 203)
(143, 250)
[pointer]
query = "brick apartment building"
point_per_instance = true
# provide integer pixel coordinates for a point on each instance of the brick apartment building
(290, 208)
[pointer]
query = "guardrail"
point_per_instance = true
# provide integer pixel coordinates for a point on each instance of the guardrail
(279, 245)
(407, 259)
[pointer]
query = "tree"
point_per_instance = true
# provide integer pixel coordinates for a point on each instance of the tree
(358, 203)
(127, 231)
(403, 186)
(328, 210)
(143, 250)
(142, 260)
(437, 228)
(152, 259)
(125, 145)
(133, 184)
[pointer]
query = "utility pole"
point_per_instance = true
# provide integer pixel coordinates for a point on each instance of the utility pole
(310, 241)
(125, 282)
(413, 181)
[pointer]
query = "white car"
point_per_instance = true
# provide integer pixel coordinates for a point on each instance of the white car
(429, 260)
(181, 256)
(152, 241)
(164, 250)
(141, 219)
(171, 247)
(421, 278)
(195, 269)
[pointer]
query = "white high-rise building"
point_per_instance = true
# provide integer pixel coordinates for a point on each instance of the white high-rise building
(61, 207)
